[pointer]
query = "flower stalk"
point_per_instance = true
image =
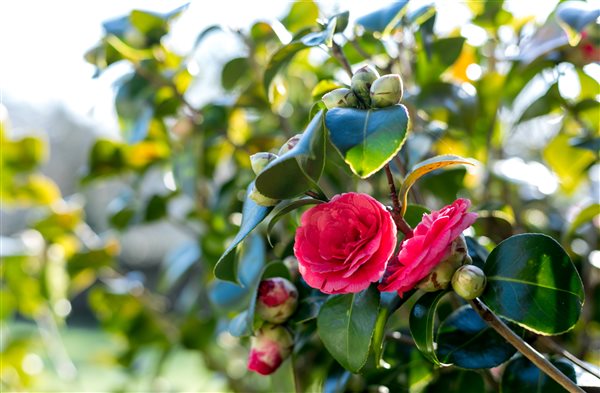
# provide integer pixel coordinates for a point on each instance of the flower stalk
(527, 350)
(401, 224)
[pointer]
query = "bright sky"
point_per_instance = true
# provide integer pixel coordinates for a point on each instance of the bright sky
(42, 42)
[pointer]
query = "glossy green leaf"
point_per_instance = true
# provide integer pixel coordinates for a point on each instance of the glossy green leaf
(465, 340)
(345, 325)
(383, 19)
(367, 139)
(252, 215)
(308, 309)
(532, 282)
(300, 168)
(522, 376)
(422, 324)
(423, 168)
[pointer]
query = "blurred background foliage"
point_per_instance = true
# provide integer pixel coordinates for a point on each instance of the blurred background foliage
(519, 96)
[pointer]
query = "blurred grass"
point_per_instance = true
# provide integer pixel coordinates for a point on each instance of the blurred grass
(94, 354)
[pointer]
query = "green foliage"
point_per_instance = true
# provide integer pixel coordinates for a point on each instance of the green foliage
(532, 282)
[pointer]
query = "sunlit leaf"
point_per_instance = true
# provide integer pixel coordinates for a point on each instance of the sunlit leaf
(367, 139)
(423, 168)
(532, 282)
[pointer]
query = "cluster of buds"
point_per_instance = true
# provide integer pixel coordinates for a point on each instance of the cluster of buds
(439, 278)
(368, 90)
(468, 281)
(276, 301)
(259, 161)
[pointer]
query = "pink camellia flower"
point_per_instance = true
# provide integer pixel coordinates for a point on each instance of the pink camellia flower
(276, 300)
(430, 245)
(343, 246)
(270, 347)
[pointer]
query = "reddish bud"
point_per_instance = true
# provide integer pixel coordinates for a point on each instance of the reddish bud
(277, 299)
(269, 348)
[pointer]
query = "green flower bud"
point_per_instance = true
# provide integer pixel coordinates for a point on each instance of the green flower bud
(386, 91)
(441, 275)
(289, 145)
(260, 160)
(469, 282)
(362, 80)
(342, 98)
(262, 200)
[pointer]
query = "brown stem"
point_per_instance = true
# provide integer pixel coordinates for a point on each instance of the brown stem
(337, 52)
(527, 350)
(548, 343)
(401, 224)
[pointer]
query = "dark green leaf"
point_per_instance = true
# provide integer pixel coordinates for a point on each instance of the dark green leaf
(458, 381)
(465, 340)
(414, 214)
(233, 71)
(522, 376)
(324, 37)
(204, 33)
(477, 252)
(308, 309)
(300, 168)
(345, 325)
(286, 207)
(531, 281)
(156, 207)
(367, 139)
(544, 105)
(341, 21)
(383, 19)
(422, 324)
(252, 215)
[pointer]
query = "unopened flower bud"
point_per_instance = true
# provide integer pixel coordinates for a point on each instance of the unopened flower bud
(269, 348)
(261, 199)
(386, 91)
(260, 160)
(342, 98)
(469, 282)
(440, 277)
(362, 80)
(289, 145)
(277, 300)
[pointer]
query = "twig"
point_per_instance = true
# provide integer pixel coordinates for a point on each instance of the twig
(527, 350)
(554, 347)
(401, 224)
(337, 52)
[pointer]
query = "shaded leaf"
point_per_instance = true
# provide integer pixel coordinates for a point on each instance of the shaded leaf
(522, 376)
(383, 19)
(300, 168)
(252, 215)
(422, 324)
(465, 340)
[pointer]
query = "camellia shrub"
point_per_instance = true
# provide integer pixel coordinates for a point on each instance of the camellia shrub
(375, 206)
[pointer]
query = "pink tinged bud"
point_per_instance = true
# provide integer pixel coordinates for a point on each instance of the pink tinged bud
(269, 348)
(290, 144)
(469, 282)
(277, 300)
